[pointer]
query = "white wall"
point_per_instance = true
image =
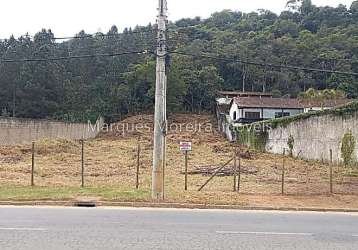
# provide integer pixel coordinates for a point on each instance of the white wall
(233, 109)
(240, 113)
(314, 137)
(315, 109)
(270, 113)
(18, 131)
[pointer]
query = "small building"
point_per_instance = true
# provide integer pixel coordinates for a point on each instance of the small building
(224, 100)
(245, 110)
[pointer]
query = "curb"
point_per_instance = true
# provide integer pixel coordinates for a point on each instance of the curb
(70, 203)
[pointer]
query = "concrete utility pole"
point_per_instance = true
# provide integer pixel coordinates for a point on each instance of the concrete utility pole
(160, 116)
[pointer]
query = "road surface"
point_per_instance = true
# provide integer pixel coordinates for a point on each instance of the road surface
(127, 228)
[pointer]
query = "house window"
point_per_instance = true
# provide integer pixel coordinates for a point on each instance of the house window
(234, 116)
(252, 115)
(281, 114)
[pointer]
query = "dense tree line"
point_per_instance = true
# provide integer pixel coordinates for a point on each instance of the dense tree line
(78, 89)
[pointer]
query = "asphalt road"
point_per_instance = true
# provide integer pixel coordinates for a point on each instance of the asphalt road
(126, 228)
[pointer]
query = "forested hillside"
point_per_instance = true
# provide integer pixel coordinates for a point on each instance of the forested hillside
(119, 80)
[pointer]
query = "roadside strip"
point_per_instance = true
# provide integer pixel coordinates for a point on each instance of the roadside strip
(70, 203)
(21, 229)
(265, 233)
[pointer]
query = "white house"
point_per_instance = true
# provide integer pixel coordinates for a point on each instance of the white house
(251, 109)
(244, 110)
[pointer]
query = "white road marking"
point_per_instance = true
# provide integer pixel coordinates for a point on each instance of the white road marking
(264, 233)
(21, 229)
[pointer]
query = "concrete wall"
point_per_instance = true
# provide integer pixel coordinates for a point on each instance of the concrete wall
(224, 126)
(18, 131)
(314, 137)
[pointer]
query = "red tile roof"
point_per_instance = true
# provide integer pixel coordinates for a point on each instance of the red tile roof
(257, 102)
(289, 103)
(243, 94)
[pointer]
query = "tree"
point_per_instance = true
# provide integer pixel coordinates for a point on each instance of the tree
(208, 84)
(285, 27)
(354, 7)
(306, 7)
(303, 35)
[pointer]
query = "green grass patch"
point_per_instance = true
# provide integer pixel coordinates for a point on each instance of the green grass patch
(69, 193)
(351, 173)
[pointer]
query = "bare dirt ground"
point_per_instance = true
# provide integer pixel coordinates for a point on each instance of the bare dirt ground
(110, 162)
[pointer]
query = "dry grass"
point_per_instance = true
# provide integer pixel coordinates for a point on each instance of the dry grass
(111, 163)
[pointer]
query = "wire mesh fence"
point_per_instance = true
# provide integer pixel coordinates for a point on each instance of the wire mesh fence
(127, 164)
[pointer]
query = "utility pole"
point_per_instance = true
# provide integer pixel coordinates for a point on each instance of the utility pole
(160, 116)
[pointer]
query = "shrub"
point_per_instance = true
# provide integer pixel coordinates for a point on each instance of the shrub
(290, 144)
(347, 149)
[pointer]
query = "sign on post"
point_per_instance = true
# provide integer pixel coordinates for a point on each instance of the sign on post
(185, 146)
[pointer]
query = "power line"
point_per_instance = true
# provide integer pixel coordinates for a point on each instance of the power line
(338, 59)
(74, 57)
(75, 49)
(266, 64)
(93, 35)
(103, 35)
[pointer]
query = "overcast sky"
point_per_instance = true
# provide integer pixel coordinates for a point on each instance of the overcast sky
(68, 17)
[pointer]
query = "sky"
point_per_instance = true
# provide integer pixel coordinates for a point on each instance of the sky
(68, 17)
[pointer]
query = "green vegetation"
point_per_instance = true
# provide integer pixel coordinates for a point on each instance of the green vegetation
(256, 140)
(291, 144)
(79, 89)
(347, 149)
(319, 96)
(69, 193)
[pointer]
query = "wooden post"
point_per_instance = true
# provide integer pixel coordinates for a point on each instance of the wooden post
(239, 173)
(283, 173)
(186, 170)
(331, 171)
(82, 164)
(214, 174)
(33, 164)
(138, 165)
(235, 168)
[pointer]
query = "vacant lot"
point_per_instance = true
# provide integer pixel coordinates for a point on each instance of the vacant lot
(110, 163)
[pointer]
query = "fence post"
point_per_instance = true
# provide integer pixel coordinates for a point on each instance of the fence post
(331, 171)
(186, 170)
(138, 164)
(32, 164)
(283, 173)
(239, 173)
(235, 167)
(82, 164)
